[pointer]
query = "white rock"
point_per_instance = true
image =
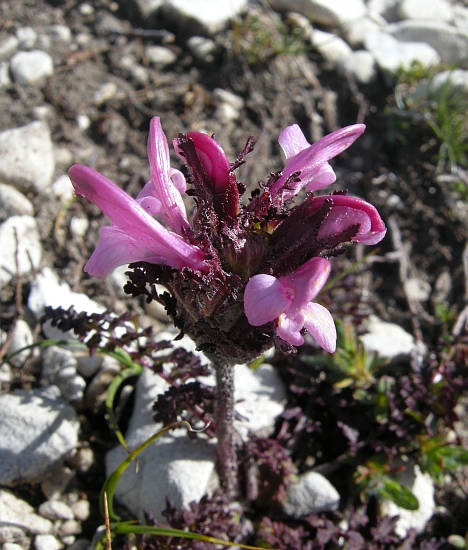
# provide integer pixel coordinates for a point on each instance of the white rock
(224, 96)
(390, 54)
(13, 203)
(437, 10)
(55, 509)
(97, 389)
(88, 365)
(206, 17)
(20, 514)
(422, 487)
(356, 31)
(5, 81)
(27, 157)
(331, 47)
(56, 481)
(460, 17)
(46, 290)
(456, 80)
(81, 510)
(47, 542)
(311, 493)
(418, 289)
(70, 527)
(387, 9)
(59, 367)
(6, 376)
(390, 341)
(37, 429)
(12, 534)
(27, 37)
(8, 47)
(326, 12)
(84, 122)
(79, 226)
(450, 43)
(61, 33)
(83, 459)
(22, 337)
(105, 92)
(260, 397)
(175, 466)
(31, 67)
(201, 48)
(361, 65)
(11, 546)
(20, 246)
(160, 56)
(61, 188)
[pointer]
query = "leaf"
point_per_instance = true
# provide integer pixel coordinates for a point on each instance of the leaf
(453, 457)
(400, 495)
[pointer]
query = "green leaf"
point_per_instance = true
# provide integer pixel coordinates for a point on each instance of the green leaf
(453, 457)
(400, 495)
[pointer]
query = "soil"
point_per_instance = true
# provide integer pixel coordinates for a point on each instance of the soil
(425, 239)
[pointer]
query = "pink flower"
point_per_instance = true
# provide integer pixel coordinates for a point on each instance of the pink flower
(311, 161)
(134, 234)
(346, 212)
(287, 300)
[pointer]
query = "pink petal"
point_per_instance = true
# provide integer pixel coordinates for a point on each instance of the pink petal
(311, 162)
(319, 323)
(161, 186)
(292, 141)
(348, 211)
(213, 160)
(305, 283)
(264, 299)
(134, 221)
(116, 248)
(289, 329)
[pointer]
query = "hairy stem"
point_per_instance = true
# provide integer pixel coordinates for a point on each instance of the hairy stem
(225, 427)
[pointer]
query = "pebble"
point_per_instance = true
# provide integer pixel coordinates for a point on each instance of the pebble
(27, 157)
(55, 510)
(5, 81)
(437, 10)
(389, 340)
(330, 13)
(37, 429)
(331, 47)
(21, 247)
(105, 92)
(46, 290)
(13, 203)
(202, 16)
(96, 390)
(59, 368)
(18, 513)
(202, 49)
(11, 546)
(70, 527)
(11, 534)
(32, 68)
(361, 65)
(8, 47)
(27, 38)
(83, 459)
(22, 337)
(55, 483)
(47, 542)
(422, 486)
(159, 56)
(79, 226)
(81, 510)
(62, 187)
(310, 494)
(61, 33)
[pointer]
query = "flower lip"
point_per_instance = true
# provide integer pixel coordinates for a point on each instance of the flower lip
(142, 232)
(311, 160)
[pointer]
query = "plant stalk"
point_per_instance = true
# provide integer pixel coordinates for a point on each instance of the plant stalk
(224, 418)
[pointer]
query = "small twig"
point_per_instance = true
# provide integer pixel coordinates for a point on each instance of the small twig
(463, 317)
(402, 255)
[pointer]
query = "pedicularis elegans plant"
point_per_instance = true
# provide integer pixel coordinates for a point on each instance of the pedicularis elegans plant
(240, 277)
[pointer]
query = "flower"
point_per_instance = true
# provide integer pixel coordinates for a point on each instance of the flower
(241, 277)
(288, 301)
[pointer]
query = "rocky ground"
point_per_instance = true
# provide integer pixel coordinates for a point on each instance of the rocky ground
(79, 83)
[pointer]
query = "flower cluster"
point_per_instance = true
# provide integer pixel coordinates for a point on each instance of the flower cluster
(241, 277)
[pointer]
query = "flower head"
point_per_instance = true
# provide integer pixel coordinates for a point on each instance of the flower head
(240, 277)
